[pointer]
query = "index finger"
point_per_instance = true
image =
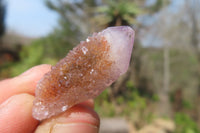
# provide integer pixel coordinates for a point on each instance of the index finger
(24, 83)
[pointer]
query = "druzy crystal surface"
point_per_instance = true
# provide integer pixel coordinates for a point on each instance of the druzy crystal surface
(85, 72)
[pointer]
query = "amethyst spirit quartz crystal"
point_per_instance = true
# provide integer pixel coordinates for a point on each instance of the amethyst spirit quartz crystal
(85, 72)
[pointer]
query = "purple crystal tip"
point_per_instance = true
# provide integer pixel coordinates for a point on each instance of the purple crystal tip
(121, 39)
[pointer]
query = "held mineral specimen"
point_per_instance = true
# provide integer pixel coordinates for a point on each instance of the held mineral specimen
(85, 72)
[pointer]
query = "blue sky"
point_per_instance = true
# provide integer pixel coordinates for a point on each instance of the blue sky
(30, 17)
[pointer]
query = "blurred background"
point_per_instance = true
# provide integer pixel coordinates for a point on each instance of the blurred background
(160, 93)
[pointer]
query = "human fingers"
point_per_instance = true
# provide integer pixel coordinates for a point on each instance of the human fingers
(16, 115)
(79, 119)
(89, 103)
(24, 83)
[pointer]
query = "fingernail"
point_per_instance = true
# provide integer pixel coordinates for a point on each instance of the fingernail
(75, 128)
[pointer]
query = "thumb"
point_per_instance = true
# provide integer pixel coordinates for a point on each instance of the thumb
(78, 119)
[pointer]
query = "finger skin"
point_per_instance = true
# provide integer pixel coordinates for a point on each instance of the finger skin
(89, 103)
(16, 115)
(80, 118)
(16, 111)
(24, 83)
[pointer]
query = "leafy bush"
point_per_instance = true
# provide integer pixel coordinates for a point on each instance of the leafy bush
(130, 104)
(103, 106)
(187, 104)
(30, 55)
(184, 124)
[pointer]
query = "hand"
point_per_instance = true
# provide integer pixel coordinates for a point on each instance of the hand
(16, 100)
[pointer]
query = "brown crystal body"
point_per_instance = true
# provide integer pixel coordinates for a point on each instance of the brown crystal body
(84, 73)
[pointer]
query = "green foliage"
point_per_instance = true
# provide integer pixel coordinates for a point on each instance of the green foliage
(150, 117)
(193, 59)
(120, 100)
(119, 8)
(127, 105)
(106, 109)
(104, 96)
(118, 13)
(56, 45)
(47, 50)
(130, 85)
(155, 98)
(185, 124)
(31, 55)
(103, 106)
(137, 102)
(187, 104)
(159, 4)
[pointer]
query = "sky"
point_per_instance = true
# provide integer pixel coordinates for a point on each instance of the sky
(33, 19)
(149, 20)
(30, 17)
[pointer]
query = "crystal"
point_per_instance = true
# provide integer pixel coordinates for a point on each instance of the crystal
(85, 72)
(87, 40)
